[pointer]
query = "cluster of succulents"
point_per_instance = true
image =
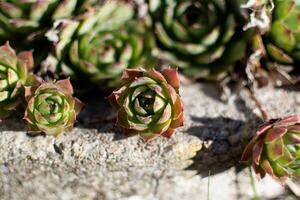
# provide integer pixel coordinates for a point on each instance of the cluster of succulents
(111, 45)
(149, 101)
(50, 107)
(93, 41)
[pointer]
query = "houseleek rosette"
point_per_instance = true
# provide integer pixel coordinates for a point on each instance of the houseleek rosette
(14, 74)
(275, 149)
(283, 40)
(149, 103)
(107, 55)
(51, 108)
(204, 38)
(99, 45)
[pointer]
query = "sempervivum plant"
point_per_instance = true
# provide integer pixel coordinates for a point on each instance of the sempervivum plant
(283, 40)
(51, 108)
(14, 74)
(149, 103)
(99, 45)
(203, 37)
(275, 149)
(25, 19)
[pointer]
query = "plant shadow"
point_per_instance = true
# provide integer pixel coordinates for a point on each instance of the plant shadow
(98, 114)
(224, 139)
(14, 122)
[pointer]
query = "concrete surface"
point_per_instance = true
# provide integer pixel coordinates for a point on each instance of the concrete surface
(95, 161)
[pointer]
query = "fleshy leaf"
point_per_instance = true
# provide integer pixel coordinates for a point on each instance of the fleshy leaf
(172, 78)
(257, 151)
(274, 134)
(65, 86)
(275, 149)
(288, 121)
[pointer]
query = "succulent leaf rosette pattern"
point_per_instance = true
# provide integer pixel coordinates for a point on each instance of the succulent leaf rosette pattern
(23, 19)
(108, 54)
(14, 74)
(200, 37)
(275, 149)
(51, 107)
(148, 103)
(99, 45)
(283, 40)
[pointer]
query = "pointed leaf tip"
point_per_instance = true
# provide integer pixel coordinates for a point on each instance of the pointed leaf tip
(26, 58)
(168, 133)
(130, 74)
(65, 86)
(288, 121)
(29, 91)
(274, 134)
(263, 129)
(78, 105)
(172, 78)
(156, 75)
(265, 164)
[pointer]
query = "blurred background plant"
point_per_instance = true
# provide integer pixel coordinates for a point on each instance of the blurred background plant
(93, 41)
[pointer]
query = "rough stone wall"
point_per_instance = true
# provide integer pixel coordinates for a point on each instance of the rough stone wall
(95, 161)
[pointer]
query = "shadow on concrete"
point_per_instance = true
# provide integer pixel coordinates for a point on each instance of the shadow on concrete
(98, 114)
(224, 140)
(222, 143)
(14, 122)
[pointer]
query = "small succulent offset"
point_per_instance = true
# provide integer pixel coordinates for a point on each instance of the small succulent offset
(149, 103)
(14, 74)
(275, 149)
(51, 107)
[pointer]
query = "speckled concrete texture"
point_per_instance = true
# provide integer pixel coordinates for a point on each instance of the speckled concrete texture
(95, 161)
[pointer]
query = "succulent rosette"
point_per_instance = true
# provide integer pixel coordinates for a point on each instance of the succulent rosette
(99, 45)
(204, 38)
(149, 103)
(275, 149)
(282, 42)
(25, 19)
(107, 55)
(51, 108)
(14, 74)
